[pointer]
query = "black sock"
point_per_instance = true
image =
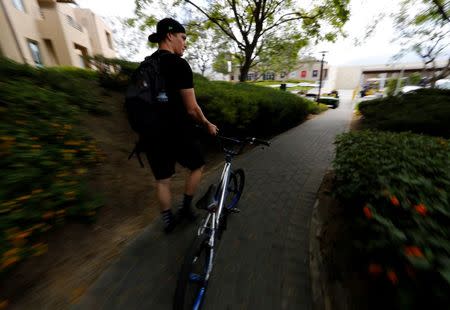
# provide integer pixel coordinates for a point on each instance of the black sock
(167, 216)
(187, 200)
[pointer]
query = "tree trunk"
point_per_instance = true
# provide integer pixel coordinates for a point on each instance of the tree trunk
(244, 69)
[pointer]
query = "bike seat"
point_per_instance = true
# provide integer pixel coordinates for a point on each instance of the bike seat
(208, 201)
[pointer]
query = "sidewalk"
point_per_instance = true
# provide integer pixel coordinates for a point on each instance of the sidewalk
(262, 260)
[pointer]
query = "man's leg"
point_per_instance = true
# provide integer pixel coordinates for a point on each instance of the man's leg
(192, 181)
(165, 203)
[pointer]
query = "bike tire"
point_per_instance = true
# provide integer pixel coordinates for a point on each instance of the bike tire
(190, 290)
(235, 188)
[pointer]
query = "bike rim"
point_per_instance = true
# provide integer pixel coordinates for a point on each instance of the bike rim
(196, 285)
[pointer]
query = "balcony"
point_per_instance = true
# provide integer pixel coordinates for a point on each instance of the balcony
(54, 1)
(73, 23)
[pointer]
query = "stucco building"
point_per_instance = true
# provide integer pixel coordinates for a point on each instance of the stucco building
(52, 33)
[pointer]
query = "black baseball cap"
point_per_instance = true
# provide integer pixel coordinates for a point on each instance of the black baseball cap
(165, 26)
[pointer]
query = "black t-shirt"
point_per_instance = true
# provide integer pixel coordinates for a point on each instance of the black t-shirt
(177, 75)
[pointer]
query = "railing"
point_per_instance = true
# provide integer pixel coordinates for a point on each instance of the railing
(73, 23)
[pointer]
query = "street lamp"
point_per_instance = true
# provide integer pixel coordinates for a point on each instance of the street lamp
(321, 70)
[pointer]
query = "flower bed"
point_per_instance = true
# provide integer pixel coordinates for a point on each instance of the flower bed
(44, 157)
(397, 186)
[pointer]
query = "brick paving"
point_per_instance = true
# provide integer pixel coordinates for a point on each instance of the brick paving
(262, 260)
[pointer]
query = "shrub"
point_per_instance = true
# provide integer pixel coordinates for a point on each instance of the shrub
(397, 185)
(392, 85)
(246, 109)
(44, 158)
(423, 111)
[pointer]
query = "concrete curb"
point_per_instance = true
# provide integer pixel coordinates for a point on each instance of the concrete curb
(317, 270)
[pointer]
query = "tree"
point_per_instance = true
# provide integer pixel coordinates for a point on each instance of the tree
(426, 33)
(252, 25)
(279, 56)
(128, 39)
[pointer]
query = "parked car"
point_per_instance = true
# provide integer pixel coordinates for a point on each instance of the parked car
(331, 99)
(443, 84)
(409, 88)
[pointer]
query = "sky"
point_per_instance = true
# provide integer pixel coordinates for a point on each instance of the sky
(378, 49)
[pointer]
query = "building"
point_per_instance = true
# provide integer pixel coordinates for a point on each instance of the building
(307, 70)
(352, 77)
(310, 70)
(52, 33)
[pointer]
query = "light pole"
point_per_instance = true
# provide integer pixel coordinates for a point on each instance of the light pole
(321, 70)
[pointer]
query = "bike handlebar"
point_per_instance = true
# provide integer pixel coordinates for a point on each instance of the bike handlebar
(240, 143)
(249, 140)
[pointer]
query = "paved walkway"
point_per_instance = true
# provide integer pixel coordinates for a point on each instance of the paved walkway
(262, 260)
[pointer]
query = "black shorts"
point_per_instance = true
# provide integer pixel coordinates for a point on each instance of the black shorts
(162, 154)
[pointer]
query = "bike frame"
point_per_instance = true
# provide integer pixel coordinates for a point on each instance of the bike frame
(211, 221)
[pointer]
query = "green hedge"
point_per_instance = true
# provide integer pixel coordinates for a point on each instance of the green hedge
(397, 186)
(423, 111)
(246, 109)
(44, 157)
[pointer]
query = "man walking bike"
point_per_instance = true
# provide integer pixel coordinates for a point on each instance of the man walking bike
(176, 141)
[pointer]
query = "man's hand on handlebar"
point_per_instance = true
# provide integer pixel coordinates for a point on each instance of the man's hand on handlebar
(212, 129)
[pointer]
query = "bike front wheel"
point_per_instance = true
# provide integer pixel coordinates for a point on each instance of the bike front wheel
(192, 282)
(235, 188)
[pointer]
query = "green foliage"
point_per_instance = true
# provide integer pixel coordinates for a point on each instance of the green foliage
(397, 187)
(44, 157)
(246, 109)
(257, 29)
(392, 85)
(113, 73)
(423, 111)
(414, 79)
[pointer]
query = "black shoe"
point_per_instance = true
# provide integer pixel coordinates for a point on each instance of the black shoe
(169, 221)
(187, 213)
(169, 227)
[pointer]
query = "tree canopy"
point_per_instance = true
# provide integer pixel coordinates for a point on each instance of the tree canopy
(424, 28)
(253, 28)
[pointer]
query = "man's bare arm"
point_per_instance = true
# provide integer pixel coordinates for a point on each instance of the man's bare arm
(194, 110)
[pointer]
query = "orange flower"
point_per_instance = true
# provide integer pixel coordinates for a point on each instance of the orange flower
(367, 212)
(48, 215)
(9, 261)
(375, 269)
(413, 251)
(421, 209)
(392, 276)
(395, 201)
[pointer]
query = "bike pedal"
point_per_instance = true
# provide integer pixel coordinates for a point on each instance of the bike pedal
(234, 210)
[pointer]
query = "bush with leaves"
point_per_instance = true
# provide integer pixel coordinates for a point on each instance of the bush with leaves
(44, 157)
(246, 109)
(424, 111)
(397, 186)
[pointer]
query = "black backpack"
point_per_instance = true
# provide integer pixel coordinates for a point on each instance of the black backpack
(146, 101)
(146, 98)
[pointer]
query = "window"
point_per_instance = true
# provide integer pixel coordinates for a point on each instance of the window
(303, 74)
(269, 76)
(82, 64)
(108, 38)
(35, 53)
(250, 76)
(19, 5)
(314, 73)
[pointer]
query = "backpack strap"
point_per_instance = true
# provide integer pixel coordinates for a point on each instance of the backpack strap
(137, 151)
